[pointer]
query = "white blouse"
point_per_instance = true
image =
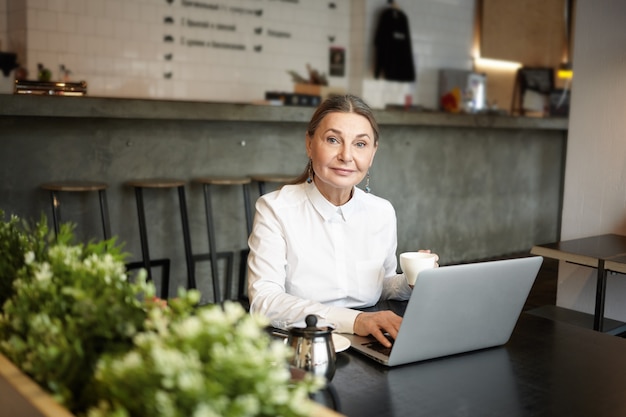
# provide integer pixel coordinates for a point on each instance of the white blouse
(308, 256)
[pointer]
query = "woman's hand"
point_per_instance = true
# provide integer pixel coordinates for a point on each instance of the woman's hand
(436, 259)
(377, 324)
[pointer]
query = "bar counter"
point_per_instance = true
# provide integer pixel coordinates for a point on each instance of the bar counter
(466, 186)
(189, 110)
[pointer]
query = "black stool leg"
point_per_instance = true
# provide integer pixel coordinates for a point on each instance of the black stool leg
(246, 205)
(104, 212)
(261, 187)
(243, 273)
(143, 232)
(243, 257)
(212, 248)
(146, 262)
(56, 211)
(191, 276)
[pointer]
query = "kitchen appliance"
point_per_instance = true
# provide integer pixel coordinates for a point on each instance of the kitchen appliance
(462, 91)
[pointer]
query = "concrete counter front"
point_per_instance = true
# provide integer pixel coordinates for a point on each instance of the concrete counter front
(466, 186)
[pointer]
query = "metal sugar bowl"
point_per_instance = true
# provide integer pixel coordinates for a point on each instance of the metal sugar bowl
(314, 350)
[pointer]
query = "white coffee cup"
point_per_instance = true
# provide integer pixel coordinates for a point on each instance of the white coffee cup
(412, 263)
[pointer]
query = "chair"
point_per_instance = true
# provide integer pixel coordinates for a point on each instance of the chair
(207, 182)
(55, 188)
(146, 262)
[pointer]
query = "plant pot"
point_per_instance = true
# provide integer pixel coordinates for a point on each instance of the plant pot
(20, 396)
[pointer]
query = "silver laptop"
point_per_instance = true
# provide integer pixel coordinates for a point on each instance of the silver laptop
(457, 309)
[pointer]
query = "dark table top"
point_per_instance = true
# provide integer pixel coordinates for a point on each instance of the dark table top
(546, 369)
(594, 247)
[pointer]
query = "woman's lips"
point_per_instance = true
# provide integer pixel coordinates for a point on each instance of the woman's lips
(342, 171)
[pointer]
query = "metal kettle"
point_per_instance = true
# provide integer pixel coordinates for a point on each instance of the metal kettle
(314, 350)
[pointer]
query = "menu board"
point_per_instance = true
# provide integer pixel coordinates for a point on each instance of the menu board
(246, 30)
(223, 50)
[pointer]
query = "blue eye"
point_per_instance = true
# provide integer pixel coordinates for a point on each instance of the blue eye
(332, 139)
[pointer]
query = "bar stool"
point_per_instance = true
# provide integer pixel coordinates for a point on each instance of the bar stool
(78, 187)
(213, 255)
(146, 262)
(263, 179)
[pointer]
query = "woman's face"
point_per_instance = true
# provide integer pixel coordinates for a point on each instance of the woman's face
(342, 150)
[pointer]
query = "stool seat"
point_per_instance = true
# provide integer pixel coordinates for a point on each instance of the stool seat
(156, 183)
(276, 178)
(74, 186)
(219, 180)
(263, 179)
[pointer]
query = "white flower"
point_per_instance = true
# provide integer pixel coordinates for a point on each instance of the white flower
(68, 255)
(29, 257)
(249, 404)
(189, 328)
(204, 410)
(158, 321)
(190, 381)
(233, 312)
(164, 404)
(44, 272)
(171, 361)
(129, 362)
(250, 329)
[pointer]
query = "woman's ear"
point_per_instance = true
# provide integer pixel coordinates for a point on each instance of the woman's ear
(308, 142)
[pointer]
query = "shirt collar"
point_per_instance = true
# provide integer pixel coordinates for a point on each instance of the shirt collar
(328, 210)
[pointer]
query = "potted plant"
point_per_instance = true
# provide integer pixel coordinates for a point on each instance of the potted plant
(104, 346)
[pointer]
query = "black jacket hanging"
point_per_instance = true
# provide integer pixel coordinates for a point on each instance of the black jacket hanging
(394, 56)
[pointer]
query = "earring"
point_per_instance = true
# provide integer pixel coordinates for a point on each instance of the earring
(310, 178)
(367, 183)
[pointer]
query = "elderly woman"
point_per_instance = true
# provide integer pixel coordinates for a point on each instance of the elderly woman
(323, 246)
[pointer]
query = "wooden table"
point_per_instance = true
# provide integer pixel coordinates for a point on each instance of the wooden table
(593, 252)
(616, 264)
(548, 368)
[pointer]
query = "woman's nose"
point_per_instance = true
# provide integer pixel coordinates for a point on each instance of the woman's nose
(345, 154)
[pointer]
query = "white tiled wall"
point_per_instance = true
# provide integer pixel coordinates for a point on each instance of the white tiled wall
(3, 26)
(441, 34)
(118, 46)
(5, 45)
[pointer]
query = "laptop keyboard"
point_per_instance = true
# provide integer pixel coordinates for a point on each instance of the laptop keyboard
(379, 347)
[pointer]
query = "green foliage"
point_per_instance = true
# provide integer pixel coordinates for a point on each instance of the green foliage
(66, 311)
(105, 346)
(16, 239)
(216, 362)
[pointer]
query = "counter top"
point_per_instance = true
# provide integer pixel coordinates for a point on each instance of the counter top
(123, 108)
